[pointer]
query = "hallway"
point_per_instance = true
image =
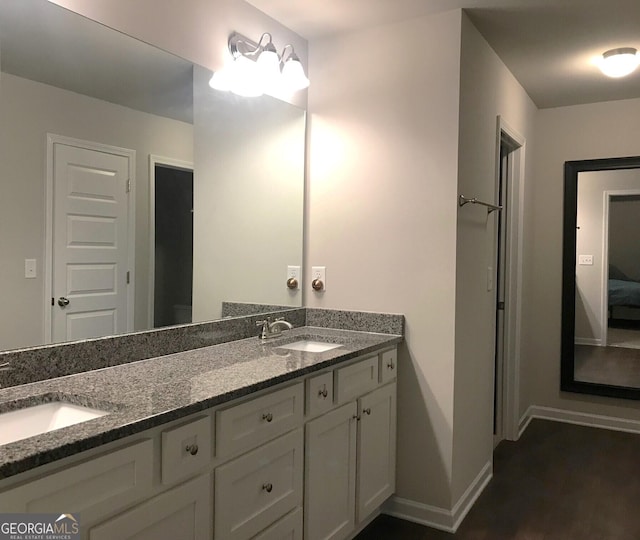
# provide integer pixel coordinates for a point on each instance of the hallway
(558, 482)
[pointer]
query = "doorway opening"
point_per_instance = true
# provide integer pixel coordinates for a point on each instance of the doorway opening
(621, 270)
(171, 246)
(510, 147)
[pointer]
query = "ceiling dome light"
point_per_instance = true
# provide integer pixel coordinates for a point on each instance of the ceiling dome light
(619, 62)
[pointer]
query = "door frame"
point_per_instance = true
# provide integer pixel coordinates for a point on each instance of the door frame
(170, 163)
(53, 139)
(604, 311)
(513, 219)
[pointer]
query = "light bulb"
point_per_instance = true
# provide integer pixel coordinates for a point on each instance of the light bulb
(293, 74)
(245, 78)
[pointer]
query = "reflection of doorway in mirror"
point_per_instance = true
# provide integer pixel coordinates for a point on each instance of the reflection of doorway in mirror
(622, 250)
(171, 283)
(613, 215)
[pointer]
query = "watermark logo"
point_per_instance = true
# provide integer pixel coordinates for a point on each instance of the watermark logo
(39, 527)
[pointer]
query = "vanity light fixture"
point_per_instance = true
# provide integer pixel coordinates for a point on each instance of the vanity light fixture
(257, 68)
(619, 62)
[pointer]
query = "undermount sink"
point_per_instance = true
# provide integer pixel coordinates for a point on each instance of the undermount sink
(308, 345)
(38, 419)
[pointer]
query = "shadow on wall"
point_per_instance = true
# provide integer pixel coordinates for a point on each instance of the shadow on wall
(421, 469)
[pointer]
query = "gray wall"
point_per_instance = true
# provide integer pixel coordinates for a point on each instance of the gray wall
(599, 130)
(488, 90)
(383, 168)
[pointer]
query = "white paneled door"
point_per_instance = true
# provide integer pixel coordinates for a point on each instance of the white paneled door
(90, 242)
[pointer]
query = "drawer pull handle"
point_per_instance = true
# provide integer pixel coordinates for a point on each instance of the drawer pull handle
(267, 487)
(390, 365)
(323, 393)
(367, 411)
(192, 449)
(268, 417)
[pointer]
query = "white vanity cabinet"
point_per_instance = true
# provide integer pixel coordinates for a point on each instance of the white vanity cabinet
(183, 512)
(350, 452)
(310, 458)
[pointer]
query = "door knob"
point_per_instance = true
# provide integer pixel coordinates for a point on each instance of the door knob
(63, 302)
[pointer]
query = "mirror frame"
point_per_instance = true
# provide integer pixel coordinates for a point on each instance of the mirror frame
(568, 383)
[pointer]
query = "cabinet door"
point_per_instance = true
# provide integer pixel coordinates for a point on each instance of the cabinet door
(376, 449)
(183, 512)
(330, 461)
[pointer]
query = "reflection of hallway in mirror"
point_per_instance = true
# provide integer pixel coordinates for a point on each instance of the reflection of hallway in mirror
(616, 366)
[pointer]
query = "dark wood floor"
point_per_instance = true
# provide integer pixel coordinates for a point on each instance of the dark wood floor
(558, 482)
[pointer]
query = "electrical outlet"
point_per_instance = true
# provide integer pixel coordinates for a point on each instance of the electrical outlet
(293, 272)
(585, 260)
(319, 273)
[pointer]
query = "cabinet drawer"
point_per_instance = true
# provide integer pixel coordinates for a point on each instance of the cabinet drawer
(186, 449)
(183, 512)
(255, 490)
(93, 488)
(253, 422)
(388, 365)
(319, 394)
(287, 528)
(352, 381)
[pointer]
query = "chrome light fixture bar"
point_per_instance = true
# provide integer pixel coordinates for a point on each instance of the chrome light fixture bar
(256, 68)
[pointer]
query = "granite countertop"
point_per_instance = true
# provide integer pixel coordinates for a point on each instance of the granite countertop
(144, 394)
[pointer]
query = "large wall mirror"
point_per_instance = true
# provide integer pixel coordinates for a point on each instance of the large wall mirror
(601, 278)
(132, 195)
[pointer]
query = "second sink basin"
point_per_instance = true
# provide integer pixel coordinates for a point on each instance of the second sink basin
(307, 345)
(37, 419)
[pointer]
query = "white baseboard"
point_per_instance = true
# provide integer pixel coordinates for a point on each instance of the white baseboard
(434, 516)
(588, 341)
(579, 418)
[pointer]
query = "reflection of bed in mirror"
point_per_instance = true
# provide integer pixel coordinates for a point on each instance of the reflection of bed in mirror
(622, 292)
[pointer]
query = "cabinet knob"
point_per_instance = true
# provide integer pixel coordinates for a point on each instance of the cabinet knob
(317, 285)
(192, 449)
(367, 411)
(323, 393)
(268, 487)
(292, 283)
(268, 417)
(390, 365)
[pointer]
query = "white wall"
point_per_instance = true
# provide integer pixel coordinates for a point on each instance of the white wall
(592, 187)
(381, 214)
(197, 30)
(488, 90)
(599, 130)
(30, 110)
(249, 196)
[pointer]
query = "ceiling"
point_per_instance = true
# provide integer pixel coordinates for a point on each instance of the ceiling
(549, 45)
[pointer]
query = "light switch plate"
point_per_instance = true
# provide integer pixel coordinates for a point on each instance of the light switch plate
(294, 272)
(320, 272)
(585, 260)
(30, 271)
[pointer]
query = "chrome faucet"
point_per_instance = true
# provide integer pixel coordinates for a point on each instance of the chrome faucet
(273, 329)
